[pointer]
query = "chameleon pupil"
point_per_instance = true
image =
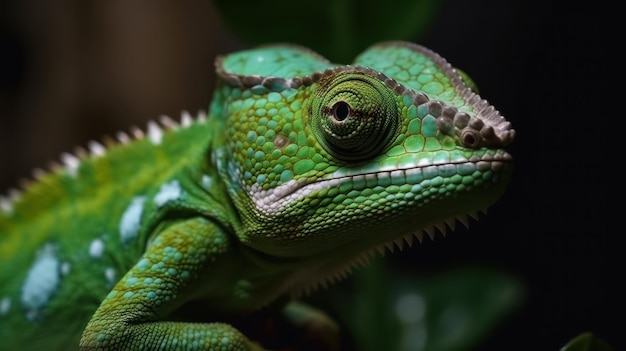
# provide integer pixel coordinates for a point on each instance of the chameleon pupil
(341, 110)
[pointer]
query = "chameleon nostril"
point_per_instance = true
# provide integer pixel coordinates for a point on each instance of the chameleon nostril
(470, 137)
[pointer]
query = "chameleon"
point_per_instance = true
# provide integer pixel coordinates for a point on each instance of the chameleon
(299, 171)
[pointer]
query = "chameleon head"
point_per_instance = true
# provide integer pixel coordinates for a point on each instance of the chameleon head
(324, 157)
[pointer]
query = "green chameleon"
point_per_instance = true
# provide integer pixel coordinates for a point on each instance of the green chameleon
(182, 236)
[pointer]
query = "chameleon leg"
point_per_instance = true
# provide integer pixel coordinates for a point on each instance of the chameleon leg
(129, 318)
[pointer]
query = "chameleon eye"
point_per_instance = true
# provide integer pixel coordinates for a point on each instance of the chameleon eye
(354, 116)
(341, 110)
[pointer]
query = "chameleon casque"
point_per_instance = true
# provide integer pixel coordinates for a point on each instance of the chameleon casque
(302, 168)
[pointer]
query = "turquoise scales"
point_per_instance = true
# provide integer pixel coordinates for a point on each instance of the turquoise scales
(300, 172)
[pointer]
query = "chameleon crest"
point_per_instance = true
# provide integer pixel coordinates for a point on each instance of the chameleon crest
(303, 168)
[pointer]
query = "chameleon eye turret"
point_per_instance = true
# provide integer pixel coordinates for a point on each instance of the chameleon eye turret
(353, 116)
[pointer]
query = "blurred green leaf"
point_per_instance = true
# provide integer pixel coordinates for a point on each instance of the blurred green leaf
(586, 342)
(449, 310)
(337, 29)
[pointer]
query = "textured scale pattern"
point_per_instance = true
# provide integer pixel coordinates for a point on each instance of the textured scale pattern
(170, 237)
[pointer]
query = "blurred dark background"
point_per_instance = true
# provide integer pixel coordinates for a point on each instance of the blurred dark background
(76, 70)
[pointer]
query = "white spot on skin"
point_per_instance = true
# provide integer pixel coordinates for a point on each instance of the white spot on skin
(65, 268)
(167, 192)
(96, 248)
(207, 181)
(5, 305)
(109, 275)
(41, 282)
(155, 133)
(131, 219)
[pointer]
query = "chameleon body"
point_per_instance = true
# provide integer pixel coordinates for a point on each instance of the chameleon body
(299, 172)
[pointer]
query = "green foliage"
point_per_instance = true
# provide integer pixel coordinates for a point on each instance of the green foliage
(448, 310)
(587, 342)
(337, 29)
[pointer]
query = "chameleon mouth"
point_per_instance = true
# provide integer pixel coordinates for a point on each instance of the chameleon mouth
(272, 201)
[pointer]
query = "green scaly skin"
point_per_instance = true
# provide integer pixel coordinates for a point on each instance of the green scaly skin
(300, 171)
